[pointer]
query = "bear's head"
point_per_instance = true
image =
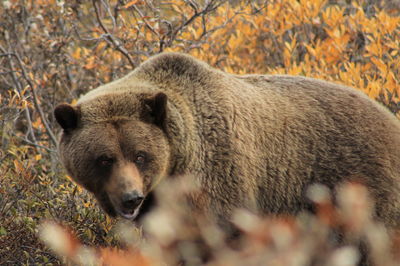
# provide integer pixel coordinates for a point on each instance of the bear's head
(115, 145)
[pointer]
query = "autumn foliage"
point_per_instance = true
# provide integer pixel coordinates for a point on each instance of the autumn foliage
(54, 51)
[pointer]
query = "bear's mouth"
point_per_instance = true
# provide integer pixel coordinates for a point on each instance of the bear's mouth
(147, 205)
(129, 215)
(136, 214)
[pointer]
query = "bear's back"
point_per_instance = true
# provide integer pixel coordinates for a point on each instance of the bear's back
(265, 138)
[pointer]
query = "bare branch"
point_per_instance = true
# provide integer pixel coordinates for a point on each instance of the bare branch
(9, 72)
(211, 6)
(193, 5)
(33, 144)
(110, 14)
(19, 88)
(145, 21)
(34, 95)
(36, 102)
(117, 44)
(85, 38)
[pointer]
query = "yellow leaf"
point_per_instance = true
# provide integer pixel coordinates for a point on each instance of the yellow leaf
(37, 123)
(100, 47)
(91, 63)
(18, 166)
(288, 46)
(381, 66)
(134, 2)
(77, 53)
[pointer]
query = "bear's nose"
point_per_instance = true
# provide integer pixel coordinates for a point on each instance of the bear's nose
(131, 200)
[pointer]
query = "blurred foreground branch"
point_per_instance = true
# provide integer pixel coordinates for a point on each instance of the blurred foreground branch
(333, 236)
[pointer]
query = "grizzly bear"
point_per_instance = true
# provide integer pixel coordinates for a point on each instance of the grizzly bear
(254, 141)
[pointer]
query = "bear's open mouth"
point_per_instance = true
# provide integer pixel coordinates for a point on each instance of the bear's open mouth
(136, 214)
(147, 205)
(129, 216)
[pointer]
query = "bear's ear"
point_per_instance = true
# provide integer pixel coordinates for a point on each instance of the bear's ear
(156, 106)
(67, 116)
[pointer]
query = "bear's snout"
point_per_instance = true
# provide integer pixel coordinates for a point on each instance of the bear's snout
(131, 200)
(125, 190)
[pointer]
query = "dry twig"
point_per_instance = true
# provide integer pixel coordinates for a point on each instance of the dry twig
(117, 44)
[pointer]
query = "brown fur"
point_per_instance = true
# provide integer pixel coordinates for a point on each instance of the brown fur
(254, 141)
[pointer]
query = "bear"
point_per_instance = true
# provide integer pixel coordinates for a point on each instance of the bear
(249, 141)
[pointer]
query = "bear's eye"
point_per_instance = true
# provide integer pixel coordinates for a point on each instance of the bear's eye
(105, 161)
(140, 159)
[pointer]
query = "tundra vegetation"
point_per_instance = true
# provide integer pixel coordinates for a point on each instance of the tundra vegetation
(54, 51)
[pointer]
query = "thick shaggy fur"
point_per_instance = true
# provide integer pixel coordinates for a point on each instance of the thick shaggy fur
(254, 141)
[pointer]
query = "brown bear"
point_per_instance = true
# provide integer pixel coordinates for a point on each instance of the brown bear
(253, 141)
